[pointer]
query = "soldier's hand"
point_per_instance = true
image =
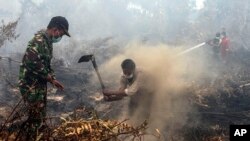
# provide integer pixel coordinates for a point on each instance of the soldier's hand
(49, 78)
(58, 84)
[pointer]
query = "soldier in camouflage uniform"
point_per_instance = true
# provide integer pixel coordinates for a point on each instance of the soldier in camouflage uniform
(35, 71)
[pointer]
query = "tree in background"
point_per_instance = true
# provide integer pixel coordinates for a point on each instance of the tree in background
(8, 32)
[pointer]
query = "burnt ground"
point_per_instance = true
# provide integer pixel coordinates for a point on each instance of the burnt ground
(79, 92)
(218, 103)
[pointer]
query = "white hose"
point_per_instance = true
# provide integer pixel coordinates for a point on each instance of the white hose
(192, 48)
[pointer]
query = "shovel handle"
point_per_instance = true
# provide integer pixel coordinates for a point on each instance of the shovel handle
(98, 74)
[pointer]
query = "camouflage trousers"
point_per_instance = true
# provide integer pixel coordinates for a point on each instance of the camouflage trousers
(35, 97)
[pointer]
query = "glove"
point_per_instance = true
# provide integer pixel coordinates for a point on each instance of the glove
(112, 98)
(107, 92)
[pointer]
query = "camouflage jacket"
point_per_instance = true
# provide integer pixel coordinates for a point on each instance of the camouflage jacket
(36, 61)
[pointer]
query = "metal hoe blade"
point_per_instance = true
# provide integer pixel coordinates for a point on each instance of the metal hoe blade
(86, 58)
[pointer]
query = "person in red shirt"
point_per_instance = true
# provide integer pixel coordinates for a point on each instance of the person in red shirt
(224, 47)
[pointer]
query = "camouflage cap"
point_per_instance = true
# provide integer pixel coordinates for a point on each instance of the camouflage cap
(60, 22)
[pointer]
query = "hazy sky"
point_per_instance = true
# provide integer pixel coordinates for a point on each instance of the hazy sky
(10, 10)
(90, 19)
(199, 4)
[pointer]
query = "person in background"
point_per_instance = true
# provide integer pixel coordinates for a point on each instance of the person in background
(224, 47)
(216, 45)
